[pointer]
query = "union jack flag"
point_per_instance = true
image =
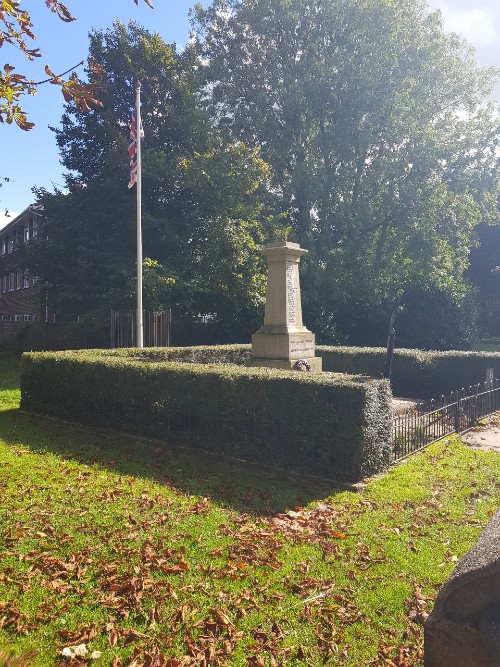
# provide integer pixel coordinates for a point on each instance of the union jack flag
(132, 150)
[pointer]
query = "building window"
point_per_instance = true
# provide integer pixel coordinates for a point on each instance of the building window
(33, 228)
(34, 280)
(18, 279)
(11, 282)
(26, 280)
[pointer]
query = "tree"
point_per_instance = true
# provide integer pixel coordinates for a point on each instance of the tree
(16, 29)
(202, 211)
(374, 123)
(434, 319)
(484, 273)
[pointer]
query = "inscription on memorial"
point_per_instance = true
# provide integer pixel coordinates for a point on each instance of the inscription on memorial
(301, 347)
(290, 292)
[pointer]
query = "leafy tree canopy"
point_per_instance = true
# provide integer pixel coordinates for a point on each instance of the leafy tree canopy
(203, 199)
(374, 121)
(361, 125)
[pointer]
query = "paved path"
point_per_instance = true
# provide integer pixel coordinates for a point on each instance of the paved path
(485, 436)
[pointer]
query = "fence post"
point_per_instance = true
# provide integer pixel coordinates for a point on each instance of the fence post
(457, 413)
(390, 348)
(476, 404)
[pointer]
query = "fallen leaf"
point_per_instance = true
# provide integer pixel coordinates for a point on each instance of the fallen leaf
(71, 652)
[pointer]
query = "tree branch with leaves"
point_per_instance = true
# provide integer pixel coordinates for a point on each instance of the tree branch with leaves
(16, 30)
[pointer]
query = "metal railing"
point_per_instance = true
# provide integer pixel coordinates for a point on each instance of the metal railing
(419, 426)
(157, 328)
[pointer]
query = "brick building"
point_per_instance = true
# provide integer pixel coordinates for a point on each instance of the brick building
(25, 321)
(19, 291)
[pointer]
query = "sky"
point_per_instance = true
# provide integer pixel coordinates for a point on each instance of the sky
(31, 158)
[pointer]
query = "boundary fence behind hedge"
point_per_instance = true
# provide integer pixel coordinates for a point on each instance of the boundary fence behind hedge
(42, 335)
(157, 328)
(420, 426)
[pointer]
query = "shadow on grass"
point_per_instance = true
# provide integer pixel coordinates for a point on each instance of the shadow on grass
(245, 487)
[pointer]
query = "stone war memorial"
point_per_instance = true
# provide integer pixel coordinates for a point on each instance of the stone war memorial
(283, 341)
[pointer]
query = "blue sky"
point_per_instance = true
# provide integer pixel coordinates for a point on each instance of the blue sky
(31, 158)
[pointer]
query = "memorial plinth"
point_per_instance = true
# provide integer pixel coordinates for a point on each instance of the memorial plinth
(283, 340)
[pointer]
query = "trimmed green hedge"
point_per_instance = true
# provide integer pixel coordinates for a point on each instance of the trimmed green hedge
(415, 373)
(317, 423)
(199, 354)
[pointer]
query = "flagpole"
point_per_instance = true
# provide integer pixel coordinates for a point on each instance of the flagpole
(139, 318)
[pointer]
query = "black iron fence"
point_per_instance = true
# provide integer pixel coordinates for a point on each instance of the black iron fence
(419, 426)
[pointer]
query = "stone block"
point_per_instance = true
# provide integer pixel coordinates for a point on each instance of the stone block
(464, 627)
(298, 345)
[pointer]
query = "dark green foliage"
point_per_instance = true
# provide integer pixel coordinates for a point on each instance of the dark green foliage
(415, 373)
(203, 210)
(14, 346)
(435, 319)
(360, 127)
(334, 426)
(427, 318)
(383, 151)
(484, 273)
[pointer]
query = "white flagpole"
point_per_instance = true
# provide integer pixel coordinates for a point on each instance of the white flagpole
(139, 319)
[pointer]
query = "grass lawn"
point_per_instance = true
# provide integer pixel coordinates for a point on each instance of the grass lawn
(154, 558)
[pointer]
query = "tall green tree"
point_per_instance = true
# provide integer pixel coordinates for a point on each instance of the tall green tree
(375, 124)
(202, 214)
